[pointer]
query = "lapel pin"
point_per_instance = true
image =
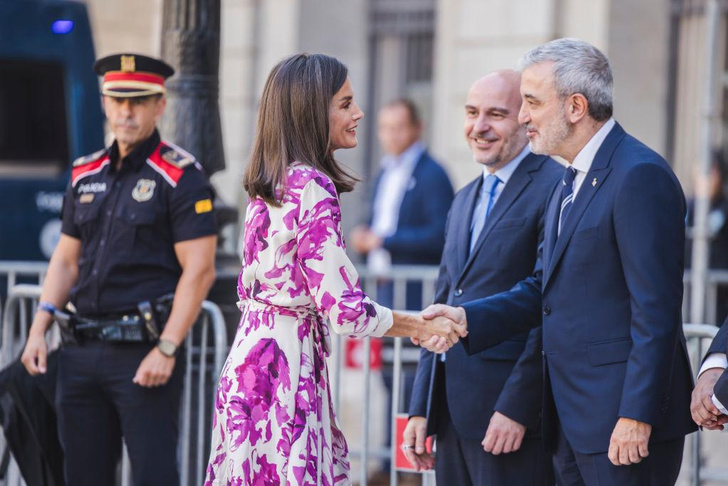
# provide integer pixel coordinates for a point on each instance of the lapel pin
(594, 182)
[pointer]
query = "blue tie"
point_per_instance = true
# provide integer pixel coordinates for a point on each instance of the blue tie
(484, 207)
(567, 195)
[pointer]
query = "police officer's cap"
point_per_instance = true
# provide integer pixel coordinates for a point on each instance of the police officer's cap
(132, 75)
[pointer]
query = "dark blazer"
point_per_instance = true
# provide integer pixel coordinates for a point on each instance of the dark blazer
(501, 378)
(720, 341)
(609, 290)
(420, 233)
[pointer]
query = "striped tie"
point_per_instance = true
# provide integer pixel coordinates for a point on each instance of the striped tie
(567, 195)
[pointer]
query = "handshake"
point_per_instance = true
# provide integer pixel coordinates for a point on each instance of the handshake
(439, 327)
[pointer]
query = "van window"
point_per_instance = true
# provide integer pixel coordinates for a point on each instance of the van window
(33, 126)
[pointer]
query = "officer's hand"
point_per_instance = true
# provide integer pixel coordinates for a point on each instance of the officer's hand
(35, 354)
(154, 370)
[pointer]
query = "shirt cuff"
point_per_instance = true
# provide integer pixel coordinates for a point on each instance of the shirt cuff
(720, 406)
(714, 360)
(386, 320)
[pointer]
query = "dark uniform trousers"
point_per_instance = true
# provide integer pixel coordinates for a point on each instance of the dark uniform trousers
(98, 403)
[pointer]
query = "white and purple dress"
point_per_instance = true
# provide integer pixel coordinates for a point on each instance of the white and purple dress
(273, 421)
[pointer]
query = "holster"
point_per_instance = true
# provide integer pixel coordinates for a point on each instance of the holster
(155, 314)
(67, 324)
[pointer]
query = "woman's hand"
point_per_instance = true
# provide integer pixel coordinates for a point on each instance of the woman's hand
(440, 334)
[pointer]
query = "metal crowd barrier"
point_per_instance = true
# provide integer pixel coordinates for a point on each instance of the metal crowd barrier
(200, 382)
(399, 277)
(205, 351)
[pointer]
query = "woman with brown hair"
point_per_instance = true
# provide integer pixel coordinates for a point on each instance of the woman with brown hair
(274, 422)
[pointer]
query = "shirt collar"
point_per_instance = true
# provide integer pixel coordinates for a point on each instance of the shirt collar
(585, 157)
(409, 157)
(505, 172)
(138, 156)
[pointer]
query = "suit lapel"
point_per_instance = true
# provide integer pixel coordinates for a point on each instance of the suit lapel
(594, 180)
(515, 186)
(463, 231)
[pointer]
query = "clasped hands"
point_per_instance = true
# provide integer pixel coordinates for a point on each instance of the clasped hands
(442, 328)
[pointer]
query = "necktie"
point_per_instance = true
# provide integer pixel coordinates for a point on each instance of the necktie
(484, 206)
(567, 195)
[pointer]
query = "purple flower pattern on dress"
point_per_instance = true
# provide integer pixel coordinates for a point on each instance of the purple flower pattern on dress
(273, 421)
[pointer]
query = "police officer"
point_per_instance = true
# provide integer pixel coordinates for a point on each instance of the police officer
(138, 225)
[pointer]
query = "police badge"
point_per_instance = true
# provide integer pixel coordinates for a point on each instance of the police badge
(144, 190)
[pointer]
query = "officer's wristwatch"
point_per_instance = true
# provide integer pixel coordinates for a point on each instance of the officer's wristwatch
(167, 348)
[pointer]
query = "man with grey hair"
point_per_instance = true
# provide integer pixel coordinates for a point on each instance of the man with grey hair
(608, 285)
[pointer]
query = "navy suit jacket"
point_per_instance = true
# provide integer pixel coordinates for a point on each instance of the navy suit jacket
(420, 233)
(609, 291)
(501, 378)
(720, 341)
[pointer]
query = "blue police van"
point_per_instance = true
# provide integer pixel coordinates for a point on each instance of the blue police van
(50, 114)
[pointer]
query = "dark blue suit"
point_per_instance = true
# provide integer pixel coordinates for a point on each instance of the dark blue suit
(420, 233)
(609, 291)
(720, 341)
(466, 390)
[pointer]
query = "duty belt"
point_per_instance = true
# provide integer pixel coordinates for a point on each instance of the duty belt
(134, 327)
(128, 328)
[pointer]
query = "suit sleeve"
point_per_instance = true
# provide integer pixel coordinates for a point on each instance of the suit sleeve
(520, 399)
(427, 240)
(502, 316)
(423, 374)
(649, 212)
(720, 341)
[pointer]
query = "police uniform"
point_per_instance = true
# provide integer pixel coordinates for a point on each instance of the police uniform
(128, 221)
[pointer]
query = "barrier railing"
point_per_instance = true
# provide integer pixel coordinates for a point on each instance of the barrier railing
(400, 276)
(205, 352)
(207, 348)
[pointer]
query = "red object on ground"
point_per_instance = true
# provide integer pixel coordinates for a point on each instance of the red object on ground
(354, 352)
(400, 460)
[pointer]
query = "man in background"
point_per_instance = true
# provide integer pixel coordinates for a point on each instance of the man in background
(412, 196)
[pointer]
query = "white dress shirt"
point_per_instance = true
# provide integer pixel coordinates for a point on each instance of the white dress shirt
(393, 184)
(584, 159)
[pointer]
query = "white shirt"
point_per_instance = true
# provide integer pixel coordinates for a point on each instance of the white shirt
(584, 159)
(393, 184)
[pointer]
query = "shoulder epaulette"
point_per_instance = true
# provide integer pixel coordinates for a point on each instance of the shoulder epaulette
(88, 165)
(87, 159)
(170, 161)
(175, 155)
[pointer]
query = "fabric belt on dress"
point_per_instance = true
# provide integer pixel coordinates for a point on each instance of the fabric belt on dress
(277, 309)
(320, 329)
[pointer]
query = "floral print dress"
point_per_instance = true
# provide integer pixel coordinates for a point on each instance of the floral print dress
(273, 421)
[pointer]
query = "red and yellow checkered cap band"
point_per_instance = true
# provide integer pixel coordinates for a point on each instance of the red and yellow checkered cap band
(127, 85)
